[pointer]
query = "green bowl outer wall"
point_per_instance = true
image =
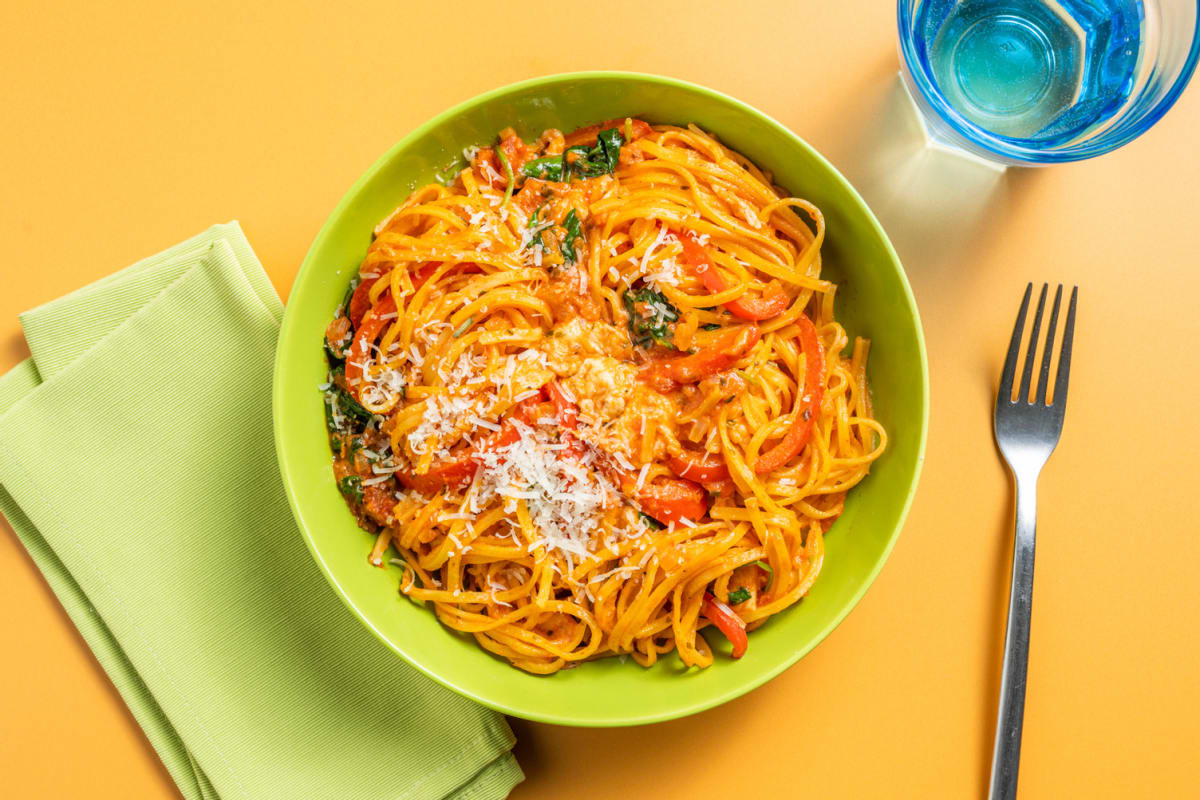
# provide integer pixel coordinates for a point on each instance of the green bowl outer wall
(874, 300)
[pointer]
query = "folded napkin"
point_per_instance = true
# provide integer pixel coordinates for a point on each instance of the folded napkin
(138, 468)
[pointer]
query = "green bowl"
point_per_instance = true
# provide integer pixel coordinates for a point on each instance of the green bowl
(874, 300)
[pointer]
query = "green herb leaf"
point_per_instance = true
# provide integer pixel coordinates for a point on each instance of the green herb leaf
(650, 317)
(538, 227)
(333, 356)
(351, 488)
(710, 326)
(610, 142)
(349, 411)
(650, 521)
(770, 572)
(739, 595)
(547, 168)
(601, 159)
(461, 329)
(508, 176)
(589, 162)
(574, 232)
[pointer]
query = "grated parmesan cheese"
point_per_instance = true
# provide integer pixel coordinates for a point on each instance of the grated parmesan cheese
(642, 476)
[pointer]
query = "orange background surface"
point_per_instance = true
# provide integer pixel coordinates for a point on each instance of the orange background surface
(128, 127)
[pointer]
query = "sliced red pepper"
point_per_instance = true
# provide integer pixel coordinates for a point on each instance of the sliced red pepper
(567, 413)
(426, 272)
(699, 466)
(773, 300)
(360, 301)
(808, 401)
(459, 469)
(729, 623)
(722, 354)
(372, 326)
(673, 499)
(720, 489)
(587, 134)
(568, 419)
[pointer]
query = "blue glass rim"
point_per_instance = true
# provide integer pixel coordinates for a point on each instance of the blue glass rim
(1011, 150)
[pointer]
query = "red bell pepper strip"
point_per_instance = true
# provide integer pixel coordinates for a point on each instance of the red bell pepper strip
(360, 301)
(568, 419)
(673, 499)
(372, 326)
(426, 272)
(727, 622)
(459, 469)
(666, 499)
(703, 466)
(564, 409)
(587, 135)
(808, 402)
(722, 354)
(772, 302)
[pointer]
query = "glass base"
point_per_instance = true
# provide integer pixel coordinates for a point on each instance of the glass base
(938, 137)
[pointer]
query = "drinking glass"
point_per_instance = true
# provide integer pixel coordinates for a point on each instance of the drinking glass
(1034, 82)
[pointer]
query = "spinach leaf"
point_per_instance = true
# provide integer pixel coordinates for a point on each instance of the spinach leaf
(351, 488)
(739, 595)
(537, 227)
(574, 232)
(548, 168)
(332, 356)
(601, 159)
(341, 408)
(650, 317)
(590, 162)
(610, 142)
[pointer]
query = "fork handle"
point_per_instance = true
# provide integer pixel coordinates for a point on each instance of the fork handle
(1006, 755)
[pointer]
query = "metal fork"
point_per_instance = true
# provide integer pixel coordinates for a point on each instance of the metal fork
(1027, 432)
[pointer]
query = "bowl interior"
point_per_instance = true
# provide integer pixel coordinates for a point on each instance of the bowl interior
(874, 300)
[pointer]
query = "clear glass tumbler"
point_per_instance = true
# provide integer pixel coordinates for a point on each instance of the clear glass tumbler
(1032, 82)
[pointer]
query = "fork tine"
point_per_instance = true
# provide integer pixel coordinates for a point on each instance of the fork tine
(1064, 360)
(1031, 353)
(1010, 361)
(1048, 350)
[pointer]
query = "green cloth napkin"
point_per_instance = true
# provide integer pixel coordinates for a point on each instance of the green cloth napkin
(138, 468)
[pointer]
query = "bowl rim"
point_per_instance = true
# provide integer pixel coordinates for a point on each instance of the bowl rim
(308, 265)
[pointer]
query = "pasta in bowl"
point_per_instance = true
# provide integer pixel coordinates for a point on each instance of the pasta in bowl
(624, 370)
(591, 394)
